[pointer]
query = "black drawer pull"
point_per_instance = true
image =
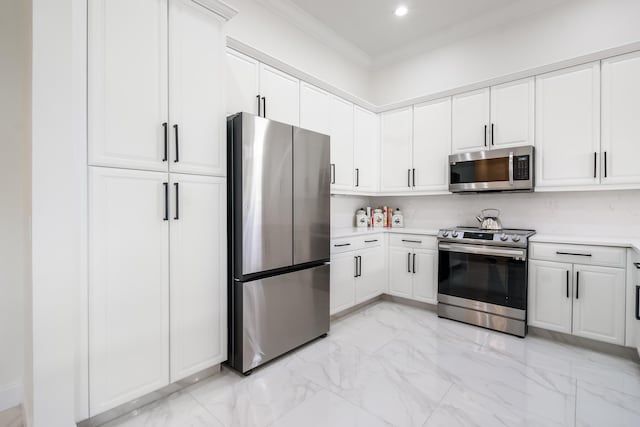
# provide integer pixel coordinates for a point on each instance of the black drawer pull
(409, 262)
(412, 241)
(572, 253)
(567, 283)
(342, 244)
(637, 264)
(371, 241)
(578, 285)
(638, 302)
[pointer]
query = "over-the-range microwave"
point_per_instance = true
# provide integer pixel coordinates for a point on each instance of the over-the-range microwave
(504, 169)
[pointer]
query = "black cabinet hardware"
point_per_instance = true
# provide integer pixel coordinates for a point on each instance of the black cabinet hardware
(371, 241)
(485, 135)
(264, 107)
(177, 159)
(595, 164)
(409, 262)
(341, 245)
(492, 142)
(413, 174)
(638, 302)
(166, 201)
(577, 285)
(567, 283)
(359, 266)
(572, 254)
(166, 142)
(412, 241)
(357, 177)
(408, 177)
(414, 263)
(637, 264)
(355, 264)
(177, 188)
(333, 173)
(605, 164)
(259, 110)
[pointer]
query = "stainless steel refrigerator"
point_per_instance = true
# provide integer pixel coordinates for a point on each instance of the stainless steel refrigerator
(279, 232)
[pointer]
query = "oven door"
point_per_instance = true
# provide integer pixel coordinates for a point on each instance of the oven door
(485, 278)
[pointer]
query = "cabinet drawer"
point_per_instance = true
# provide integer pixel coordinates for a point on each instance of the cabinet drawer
(413, 241)
(579, 254)
(346, 244)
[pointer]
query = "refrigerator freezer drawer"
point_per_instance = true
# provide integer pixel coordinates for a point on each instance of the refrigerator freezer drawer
(280, 313)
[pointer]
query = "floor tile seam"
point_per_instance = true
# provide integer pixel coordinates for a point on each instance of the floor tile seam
(575, 405)
(439, 404)
(204, 406)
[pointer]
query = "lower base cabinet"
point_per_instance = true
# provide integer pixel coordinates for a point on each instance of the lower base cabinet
(583, 300)
(356, 276)
(157, 289)
(413, 273)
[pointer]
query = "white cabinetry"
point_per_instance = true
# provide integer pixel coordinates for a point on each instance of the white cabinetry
(315, 109)
(343, 285)
(512, 114)
(280, 94)
(397, 136)
(620, 123)
(579, 299)
(198, 295)
(341, 119)
(154, 89)
(366, 150)
(371, 275)
(470, 118)
(568, 127)
(431, 145)
(413, 266)
(129, 285)
(243, 83)
(633, 300)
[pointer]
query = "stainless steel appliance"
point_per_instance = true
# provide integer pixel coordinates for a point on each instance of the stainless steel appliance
(505, 169)
(279, 232)
(482, 277)
(489, 219)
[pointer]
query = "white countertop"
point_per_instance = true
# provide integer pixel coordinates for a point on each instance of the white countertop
(624, 242)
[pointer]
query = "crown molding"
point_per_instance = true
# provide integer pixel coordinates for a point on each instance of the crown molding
(218, 7)
(317, 29)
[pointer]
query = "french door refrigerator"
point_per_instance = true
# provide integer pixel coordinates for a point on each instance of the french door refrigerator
(279, 232)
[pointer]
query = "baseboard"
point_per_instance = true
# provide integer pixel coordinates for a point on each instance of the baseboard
(10, 395)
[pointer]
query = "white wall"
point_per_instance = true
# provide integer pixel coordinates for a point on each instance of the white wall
(343, 209)
(604, 213)
(15, 73)
(271, 33)
(573, 29)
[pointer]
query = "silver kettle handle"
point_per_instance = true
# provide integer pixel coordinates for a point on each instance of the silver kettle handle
(484, 213)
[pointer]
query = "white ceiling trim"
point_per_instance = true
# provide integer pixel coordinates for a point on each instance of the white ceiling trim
(317, 29)
(218, 7)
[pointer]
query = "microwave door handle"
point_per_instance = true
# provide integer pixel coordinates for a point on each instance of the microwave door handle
(511, 168)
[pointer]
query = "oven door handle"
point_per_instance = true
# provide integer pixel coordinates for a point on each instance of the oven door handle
(518, 254)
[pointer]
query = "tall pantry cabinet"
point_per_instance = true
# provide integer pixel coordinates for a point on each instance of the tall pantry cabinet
(157, 195)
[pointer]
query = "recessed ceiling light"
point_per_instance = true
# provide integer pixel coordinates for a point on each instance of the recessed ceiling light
(401, 11)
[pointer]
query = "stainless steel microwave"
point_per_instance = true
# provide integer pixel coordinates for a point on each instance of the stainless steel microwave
(505, 169)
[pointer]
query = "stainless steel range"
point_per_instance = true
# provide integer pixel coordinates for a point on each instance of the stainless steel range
(482, 277)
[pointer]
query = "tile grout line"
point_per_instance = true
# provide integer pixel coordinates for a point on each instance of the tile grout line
(438, 405)
(575, 406)
(202, 405)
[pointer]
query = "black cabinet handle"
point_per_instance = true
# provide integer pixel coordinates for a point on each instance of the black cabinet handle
(485, 135)
(166, 142)
(177, 188)
(359, 266)
(264, 107)
(638, 302)
(413, 174)
(414, 263)
(605, 164)
(408, 177)
(166, 201)
(355, 261)
(567, 283)
(333, 173)
(409, 262)
(572, 254)
(595, 164)
(259, 113)
(341, 245)
(492, 142)
(412, 241)
(637, 264)
(577, 285)
(371, 241)
(177, 159)
(357, 177)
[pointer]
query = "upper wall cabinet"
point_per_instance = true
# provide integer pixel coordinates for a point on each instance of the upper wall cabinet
(366, 150)
(397, 136)
(243, 83)
(315, 109)
(280, 95)
(341, 119)
(154, 92)
(470, 117)
(568, 127)
(621, 119)
(431, 145)
(497, 117)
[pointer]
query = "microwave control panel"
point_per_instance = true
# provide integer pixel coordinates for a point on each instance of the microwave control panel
(521, 168)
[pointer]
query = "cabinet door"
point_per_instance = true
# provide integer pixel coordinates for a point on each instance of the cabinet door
(432, 145)
(620, 124)
(128, 286)
(550, 295)
(568, 127)
(470, 121)
(599, 304)
(425, 278)
(242, 86)
(343, 272)
(397, 129)
(127, 83)
(632, 327)
(198, 287)
(367, 131)
(512, 114)
(315, 109)
(371, 282)
(196, 111)
(342, 139)
(282, 96)
(400, 273)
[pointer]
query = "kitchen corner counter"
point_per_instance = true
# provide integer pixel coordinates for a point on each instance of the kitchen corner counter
(621, 242)
(353, 231)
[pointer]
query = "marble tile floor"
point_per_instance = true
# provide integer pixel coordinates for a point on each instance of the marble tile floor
(11, 417)
(394, 365)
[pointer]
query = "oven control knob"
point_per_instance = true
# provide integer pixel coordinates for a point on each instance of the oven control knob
(515, 238)
(504, 237)
(445, 233)
(455, 234)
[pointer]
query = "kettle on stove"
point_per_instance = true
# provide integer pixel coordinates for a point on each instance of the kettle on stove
(489, 220)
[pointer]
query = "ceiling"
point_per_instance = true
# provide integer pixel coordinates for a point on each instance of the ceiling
(373, 28)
